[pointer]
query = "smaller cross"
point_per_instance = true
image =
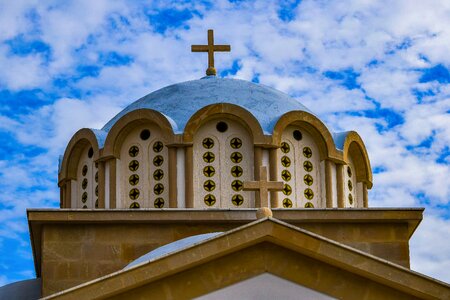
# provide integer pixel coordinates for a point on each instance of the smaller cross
(210, 48)
(263, 186)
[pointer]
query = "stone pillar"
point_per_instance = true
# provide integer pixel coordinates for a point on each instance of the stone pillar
(68, 193)
(328, 183)
(101, 184)
(340, 185)
(173, 202)
(62, 196)
(113, 183)
(188, 175)
(273, 171)
(365, 195)
(257, 157)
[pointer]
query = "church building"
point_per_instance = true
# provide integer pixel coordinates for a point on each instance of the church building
(217, 188)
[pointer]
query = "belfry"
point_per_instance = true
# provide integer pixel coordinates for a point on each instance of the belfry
(217, 188)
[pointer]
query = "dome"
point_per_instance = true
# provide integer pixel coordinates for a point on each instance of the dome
(180, 101)
(172, 247)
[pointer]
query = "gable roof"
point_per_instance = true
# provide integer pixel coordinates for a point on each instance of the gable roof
(271, 238)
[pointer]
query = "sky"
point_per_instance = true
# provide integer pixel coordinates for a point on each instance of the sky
(381, 68)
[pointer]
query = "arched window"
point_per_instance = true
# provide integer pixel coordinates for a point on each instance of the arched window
(144, 169)
(299, 169)
(87, 180)
(350, 185)
(223, 160)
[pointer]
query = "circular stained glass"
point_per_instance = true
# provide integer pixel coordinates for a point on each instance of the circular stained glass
(236, 143)
(236, 157)
(237, 200)
(287, 190)
(309, 194)
(350, 199)
(209, 171)
(285, 161)
(222, 127)
(308, 179)
(133, 179)
(237, 185)
(159, 203)
(133, 151)
(287, 203)
(307, 152)
(308, 166)
(96, 176)
(145, 134)
(90, 152)
(84, 197)
(236, 171)
(135, 205)
(286, 175)
(133, 165)
(134, 194)
(84, 184)
(350, 185)
(349, 171)
(158, 146)
(208, 143)
(309, 205)
(158, 174)
(208, 157)
(84, 170)
(158, 189)
(285, 148)
(96, 190)
(210, 200)
(209, 185)
(158, 160)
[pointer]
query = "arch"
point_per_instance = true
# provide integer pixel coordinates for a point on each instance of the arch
(74, 149)
(231, 111)
(128, 122)
(314, 126)
(354, 147)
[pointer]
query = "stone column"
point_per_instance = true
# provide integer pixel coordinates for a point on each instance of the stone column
(101, 184)
(273, 171)
(173, 202)
(113, 183)
(68, 193)
(365, 195)
(62, 195)
(257, 163)
(328, 183)
(188, 175)
(340, 184)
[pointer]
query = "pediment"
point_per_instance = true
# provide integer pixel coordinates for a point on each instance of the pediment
(294, 255)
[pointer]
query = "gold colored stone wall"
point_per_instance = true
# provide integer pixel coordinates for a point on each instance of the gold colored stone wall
(76, 253)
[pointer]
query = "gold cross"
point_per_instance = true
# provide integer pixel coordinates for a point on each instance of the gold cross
(263, 186)
(210, 48)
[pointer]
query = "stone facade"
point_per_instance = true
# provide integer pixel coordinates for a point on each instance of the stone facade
(78, 246)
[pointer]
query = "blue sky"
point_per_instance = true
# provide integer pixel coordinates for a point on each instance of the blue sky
(378, 67)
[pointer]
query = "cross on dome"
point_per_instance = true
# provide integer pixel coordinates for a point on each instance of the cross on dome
(263, 186)
(210, 48)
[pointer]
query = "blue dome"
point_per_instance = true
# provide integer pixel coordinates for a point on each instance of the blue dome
(172, 247)
(180, 101)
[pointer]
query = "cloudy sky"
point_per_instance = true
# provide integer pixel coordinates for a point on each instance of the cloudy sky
(381, 68)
